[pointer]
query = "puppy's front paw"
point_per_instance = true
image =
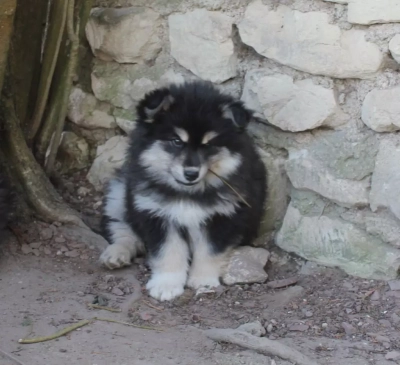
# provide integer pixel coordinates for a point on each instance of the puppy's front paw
(196, 282)
(166, 286)
(116, 256)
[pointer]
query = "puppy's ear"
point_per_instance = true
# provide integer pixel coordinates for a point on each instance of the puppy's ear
(238, 114)
(153, 103)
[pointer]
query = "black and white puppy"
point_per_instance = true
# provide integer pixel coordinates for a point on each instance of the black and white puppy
(168, 200)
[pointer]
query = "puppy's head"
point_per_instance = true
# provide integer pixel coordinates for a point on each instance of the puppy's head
(194, 132)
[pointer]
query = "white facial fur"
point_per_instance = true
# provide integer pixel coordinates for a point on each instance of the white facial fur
(167, 170)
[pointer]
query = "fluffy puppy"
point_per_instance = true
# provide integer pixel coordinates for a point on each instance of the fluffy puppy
(192, 187)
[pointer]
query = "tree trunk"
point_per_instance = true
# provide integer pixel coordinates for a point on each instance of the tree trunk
(7, 11)
(42, 50)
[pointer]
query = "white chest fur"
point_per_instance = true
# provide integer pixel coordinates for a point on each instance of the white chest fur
(182, 212)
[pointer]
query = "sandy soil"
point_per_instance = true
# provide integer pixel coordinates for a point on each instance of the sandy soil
(47, 282)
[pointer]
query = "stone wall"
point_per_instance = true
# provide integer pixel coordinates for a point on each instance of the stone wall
(323, 73)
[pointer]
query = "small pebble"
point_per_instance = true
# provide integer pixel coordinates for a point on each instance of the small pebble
(73, 253)
(385, 323)
(348, 328)
(46, 233)
(394, 285)
(26, 249)
(36, 252)
(393, 355)
(36, 244)
(117, 291)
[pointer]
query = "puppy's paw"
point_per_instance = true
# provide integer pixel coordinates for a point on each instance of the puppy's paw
(116, 256)
(166, 286)
(197, 282)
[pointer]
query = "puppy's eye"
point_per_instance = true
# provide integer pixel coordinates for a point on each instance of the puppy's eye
(177, 142)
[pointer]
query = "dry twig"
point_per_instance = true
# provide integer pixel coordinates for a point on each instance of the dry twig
(232, 188)
(261, 345)
(82, 323)
(60, 333)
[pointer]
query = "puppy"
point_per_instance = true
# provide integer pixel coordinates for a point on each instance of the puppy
(192, 188)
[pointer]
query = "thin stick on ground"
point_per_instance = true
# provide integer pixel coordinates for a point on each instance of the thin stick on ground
(127, 324)
(96, 306)
(80, 324)
(58, 334)
(261, 345)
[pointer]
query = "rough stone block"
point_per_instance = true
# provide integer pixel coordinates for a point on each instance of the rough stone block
(201, 41)
(309, 42)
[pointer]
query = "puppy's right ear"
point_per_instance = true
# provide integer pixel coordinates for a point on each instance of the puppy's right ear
(153, 103)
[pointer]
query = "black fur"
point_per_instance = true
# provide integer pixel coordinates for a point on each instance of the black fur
(197, 108)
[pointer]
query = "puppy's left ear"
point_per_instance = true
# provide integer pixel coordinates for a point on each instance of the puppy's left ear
(238, 114)
(154, 103)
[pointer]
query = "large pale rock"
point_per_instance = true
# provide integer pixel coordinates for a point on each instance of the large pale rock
(309, 42)
(381, 110)
(291, 106)
(278, 190)
(125, 119)
(201, 41)
(125, 35)
(87, 112)
(309, 173)
(73, 153)
(246, 265)
(373, 11)
(385, 190)
(380, 224)
(109, 157)
(334, 242)
(124, 85)
(394, 47)
(94, 137)
(336, 165)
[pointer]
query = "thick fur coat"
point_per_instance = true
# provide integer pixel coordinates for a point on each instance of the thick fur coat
(192, 187)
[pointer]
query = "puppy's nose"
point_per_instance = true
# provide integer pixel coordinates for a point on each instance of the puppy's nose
(191, 174)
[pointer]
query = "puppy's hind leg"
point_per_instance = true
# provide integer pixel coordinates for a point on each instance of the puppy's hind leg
(124, 244)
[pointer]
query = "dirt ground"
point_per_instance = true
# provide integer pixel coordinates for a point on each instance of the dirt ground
(48, 281)
(323, 313)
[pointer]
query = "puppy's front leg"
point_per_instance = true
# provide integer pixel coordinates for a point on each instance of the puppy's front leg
(169, 265)
(207, 265)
